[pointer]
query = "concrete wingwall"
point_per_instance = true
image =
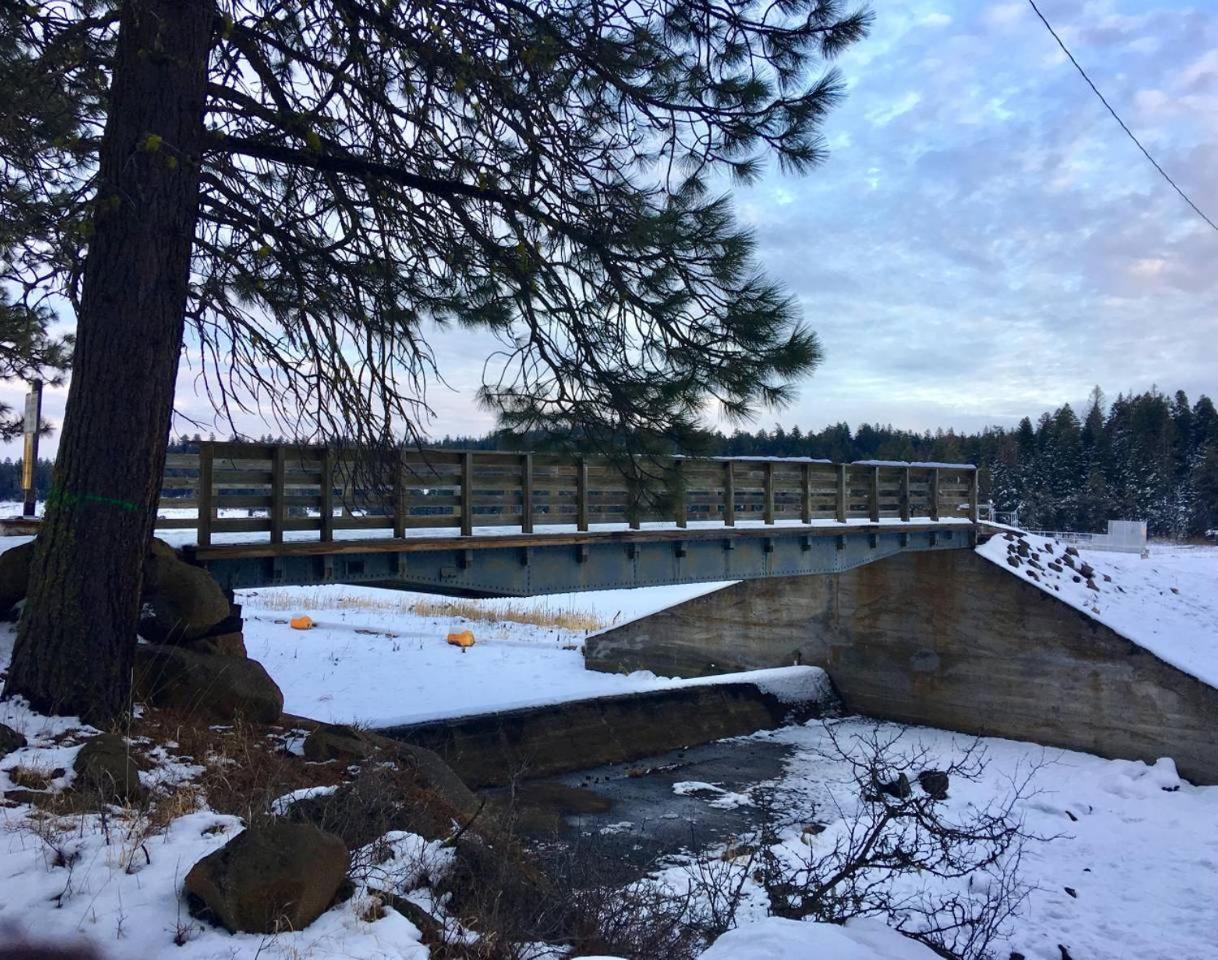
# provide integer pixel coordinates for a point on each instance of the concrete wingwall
(944, 639)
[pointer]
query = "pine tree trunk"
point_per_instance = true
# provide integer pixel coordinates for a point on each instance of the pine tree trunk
(76, 639)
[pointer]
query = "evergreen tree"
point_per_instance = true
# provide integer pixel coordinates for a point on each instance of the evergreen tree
(311, 184)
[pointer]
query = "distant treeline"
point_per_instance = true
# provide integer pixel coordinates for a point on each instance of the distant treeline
(1146, 456)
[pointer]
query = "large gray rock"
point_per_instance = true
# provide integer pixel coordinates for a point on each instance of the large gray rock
(10, 740)
(104, 767)
(15, 575)
(182, 602)
(209, 686)
(269, 879)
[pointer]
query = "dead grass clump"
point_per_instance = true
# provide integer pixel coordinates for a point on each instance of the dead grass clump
(569, 618)
(245, 766)
(541, 614)
(33, 776)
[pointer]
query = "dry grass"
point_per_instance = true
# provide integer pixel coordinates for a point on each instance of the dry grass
(33, 776)
(534, 613)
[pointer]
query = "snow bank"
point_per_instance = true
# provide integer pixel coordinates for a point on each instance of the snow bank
(1167, 603)
(777, 939)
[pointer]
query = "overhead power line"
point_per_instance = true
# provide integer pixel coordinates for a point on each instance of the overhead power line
(1138, 143)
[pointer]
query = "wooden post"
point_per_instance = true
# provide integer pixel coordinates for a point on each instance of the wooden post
(526, 493)
(327, 494)
(805, 499)
(279, 454)
(399, 494)
(729, 493)
(905, 494)
(581, 494)
(203, 494)
(934, 493)
(873, 496)
(974, 496)
(842, 500)
(467, 493)
(767, 509)
(679, 513)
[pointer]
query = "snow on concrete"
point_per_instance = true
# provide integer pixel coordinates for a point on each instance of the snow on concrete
(371, 660)
(1167, 602)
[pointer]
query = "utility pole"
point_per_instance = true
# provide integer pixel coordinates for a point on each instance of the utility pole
(29, 462)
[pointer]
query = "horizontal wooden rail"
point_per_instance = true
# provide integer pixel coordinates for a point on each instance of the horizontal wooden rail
(245, 488)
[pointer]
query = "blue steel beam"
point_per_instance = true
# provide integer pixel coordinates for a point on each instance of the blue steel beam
(521, 566)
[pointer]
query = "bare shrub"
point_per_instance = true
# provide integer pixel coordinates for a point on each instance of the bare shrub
(950, 881)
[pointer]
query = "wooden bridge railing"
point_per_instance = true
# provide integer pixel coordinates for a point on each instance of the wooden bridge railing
(287, 488)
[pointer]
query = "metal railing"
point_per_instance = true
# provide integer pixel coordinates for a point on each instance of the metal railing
(283, 488)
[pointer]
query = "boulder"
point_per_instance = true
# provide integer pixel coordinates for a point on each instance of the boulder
(10, 740)
(213, 687)
(182, 602)
(222, 645)
(935, 783)
(269, 879)
(15, 575)
(375, 803)
(104, 767)
(338, 742)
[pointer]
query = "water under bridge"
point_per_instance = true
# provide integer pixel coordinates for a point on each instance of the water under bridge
(490, 523)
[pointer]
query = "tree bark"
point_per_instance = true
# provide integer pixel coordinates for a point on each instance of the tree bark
(76, 640)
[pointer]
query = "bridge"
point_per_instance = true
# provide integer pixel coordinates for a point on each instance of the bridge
(489, 523)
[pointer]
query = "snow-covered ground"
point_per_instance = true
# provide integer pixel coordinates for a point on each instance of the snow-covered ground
(1167, 602)
(371, 659)
(1136, 847)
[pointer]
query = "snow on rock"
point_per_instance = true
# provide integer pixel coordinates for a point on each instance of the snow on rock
(1167, 603)
(777, 939)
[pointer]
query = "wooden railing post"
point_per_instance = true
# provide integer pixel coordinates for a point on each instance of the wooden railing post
(729, 493)
(767, 509)
(206, 508)
(974, 496)
(842, 501)
(873, 496)
(805, 491)
(934, 493)
(905, 514)
(581, 494)
(327, 494)
(279, 454)
(467, 493)
(399, 494)
(679, 512)
(526, 493)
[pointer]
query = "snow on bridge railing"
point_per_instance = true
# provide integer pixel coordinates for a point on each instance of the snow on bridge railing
(274, 488)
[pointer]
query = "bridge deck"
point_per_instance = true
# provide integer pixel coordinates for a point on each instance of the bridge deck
(478, 522)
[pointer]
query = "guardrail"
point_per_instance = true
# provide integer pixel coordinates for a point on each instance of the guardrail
(285, 488)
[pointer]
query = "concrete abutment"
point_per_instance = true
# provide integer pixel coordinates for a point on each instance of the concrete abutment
(943, 639)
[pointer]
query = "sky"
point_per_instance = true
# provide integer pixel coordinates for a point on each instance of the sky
(984, 242)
